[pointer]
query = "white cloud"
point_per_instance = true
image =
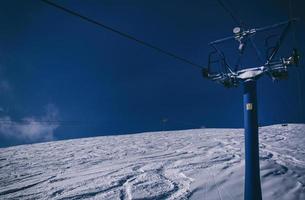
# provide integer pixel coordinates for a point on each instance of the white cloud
(31, 129)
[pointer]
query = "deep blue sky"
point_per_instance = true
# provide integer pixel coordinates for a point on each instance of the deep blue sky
(116, 86)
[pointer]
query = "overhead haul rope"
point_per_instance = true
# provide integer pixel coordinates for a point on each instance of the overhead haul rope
(22, 122)
(299, 75)
(283, 98)
(106, 27)
(239, 22)
(121, 33)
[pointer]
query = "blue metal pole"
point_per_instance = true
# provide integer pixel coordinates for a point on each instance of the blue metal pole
(252, 172)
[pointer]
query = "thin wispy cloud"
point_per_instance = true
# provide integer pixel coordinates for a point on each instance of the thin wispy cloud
(31, 129)
(4, 86)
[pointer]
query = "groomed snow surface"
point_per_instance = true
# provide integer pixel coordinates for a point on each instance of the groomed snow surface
(203, 164)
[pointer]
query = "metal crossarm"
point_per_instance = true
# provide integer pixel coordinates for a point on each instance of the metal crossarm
(276, 69)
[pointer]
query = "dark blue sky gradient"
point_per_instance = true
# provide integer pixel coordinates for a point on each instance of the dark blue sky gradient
(116, 86)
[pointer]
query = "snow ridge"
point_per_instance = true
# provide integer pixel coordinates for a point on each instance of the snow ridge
(192, 164)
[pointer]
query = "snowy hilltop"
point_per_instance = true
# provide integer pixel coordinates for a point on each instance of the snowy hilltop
(203, 164)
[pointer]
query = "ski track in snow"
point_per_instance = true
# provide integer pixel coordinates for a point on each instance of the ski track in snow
(203, 164)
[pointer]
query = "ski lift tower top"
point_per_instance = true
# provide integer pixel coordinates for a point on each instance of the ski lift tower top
(232, 77)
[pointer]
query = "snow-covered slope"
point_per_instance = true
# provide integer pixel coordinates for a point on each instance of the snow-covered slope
(192, 164)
